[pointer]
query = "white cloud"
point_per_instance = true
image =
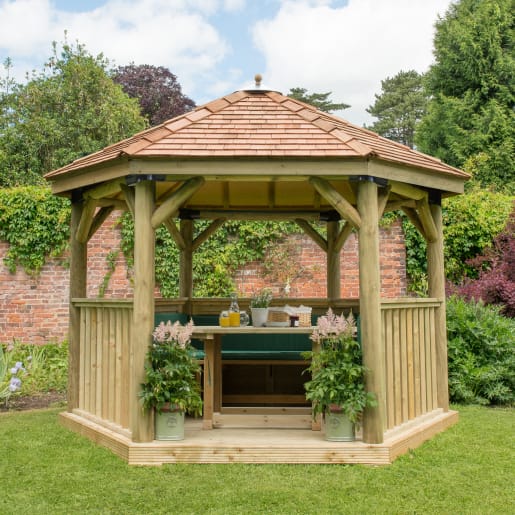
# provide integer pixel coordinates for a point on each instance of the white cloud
(322, 45)
(347, 50)
(174, 34)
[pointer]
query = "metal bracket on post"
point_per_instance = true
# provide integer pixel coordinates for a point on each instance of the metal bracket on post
(435, 197)
(132, 180)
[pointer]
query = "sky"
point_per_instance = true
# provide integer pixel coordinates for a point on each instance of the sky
(215, 47)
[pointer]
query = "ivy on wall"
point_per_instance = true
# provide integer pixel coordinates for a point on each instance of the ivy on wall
(35, 223)
(217, 259)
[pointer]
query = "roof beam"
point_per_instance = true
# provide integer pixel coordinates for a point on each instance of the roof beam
(175, 233)
(345, 208)
(312, 233)
(170, 207)
(86, 220)
(204, 235)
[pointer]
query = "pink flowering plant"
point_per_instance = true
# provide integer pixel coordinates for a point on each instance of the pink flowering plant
(336, 368)
(170, 371)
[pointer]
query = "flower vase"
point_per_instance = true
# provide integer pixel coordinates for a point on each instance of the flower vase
(259, 316)
(169, 424)
(338, 427)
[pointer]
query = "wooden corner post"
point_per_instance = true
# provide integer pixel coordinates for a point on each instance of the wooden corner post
(333, 261)
(141, 422)
(186, 261)
(436, 283)
(78, 282)
(370, 309)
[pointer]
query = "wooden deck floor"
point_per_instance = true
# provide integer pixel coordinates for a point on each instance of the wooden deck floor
(262, 445)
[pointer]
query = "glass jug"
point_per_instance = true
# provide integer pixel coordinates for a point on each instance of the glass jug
(234, 311)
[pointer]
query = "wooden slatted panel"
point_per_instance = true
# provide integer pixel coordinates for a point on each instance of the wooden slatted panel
(104, 360)
(98, 365)
(397, 369)
(432, 329)
(430, 357)
(111, 379)
(386, 316)
(410, 368)
(423, 357)
(126, 336)
(417, 380)
(409, 340)
(404, 364)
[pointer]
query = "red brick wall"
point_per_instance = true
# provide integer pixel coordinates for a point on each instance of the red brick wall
(35, 309)
(305, 270)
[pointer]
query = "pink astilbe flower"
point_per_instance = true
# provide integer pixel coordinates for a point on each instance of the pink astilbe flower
(173, 333)
(331, 326)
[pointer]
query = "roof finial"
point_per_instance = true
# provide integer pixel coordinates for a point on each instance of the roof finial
(258, 80)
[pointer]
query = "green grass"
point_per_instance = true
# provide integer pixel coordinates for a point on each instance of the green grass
(470, 468)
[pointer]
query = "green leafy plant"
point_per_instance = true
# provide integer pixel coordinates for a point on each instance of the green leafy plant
(481, 351)
(261, 299)
(35, 223)
(45, 366)
(337, 371)
(215, 261)
(171, 369)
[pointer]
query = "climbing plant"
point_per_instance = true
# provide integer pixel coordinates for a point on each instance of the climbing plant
(35, 223)
(216, 260)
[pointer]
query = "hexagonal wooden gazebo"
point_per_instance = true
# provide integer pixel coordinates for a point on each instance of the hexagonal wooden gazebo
(257, 154)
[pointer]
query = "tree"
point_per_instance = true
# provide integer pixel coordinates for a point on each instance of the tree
(399, 107)
(319, 100)
(70, 109)
(470, 121)
(157, 90)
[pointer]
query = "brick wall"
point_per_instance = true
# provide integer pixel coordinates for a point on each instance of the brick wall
(35, 309)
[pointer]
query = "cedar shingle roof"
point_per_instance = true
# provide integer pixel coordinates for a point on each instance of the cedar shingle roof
(259, 124)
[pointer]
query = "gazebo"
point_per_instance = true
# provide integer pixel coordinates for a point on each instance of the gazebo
(257, 154)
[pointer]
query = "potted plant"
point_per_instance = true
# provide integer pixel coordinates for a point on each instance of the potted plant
(170, 386)
(259, 304)
(337, 388)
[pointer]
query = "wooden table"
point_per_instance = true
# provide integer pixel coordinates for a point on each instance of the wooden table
(212, 338)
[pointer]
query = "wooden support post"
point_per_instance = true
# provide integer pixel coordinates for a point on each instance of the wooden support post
(78, 282)
(370, 311)
(141, 422)
(186, 260)
(436, 280)
(333, 261)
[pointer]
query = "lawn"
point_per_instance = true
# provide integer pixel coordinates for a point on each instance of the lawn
(470, 468)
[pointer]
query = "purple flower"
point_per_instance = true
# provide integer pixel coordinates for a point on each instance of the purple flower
(15, 384)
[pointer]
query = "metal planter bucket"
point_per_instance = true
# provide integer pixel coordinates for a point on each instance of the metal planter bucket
(169, 425)
(338, 427)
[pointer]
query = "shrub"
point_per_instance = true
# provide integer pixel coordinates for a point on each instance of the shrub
(496, 282)
(481, 347)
